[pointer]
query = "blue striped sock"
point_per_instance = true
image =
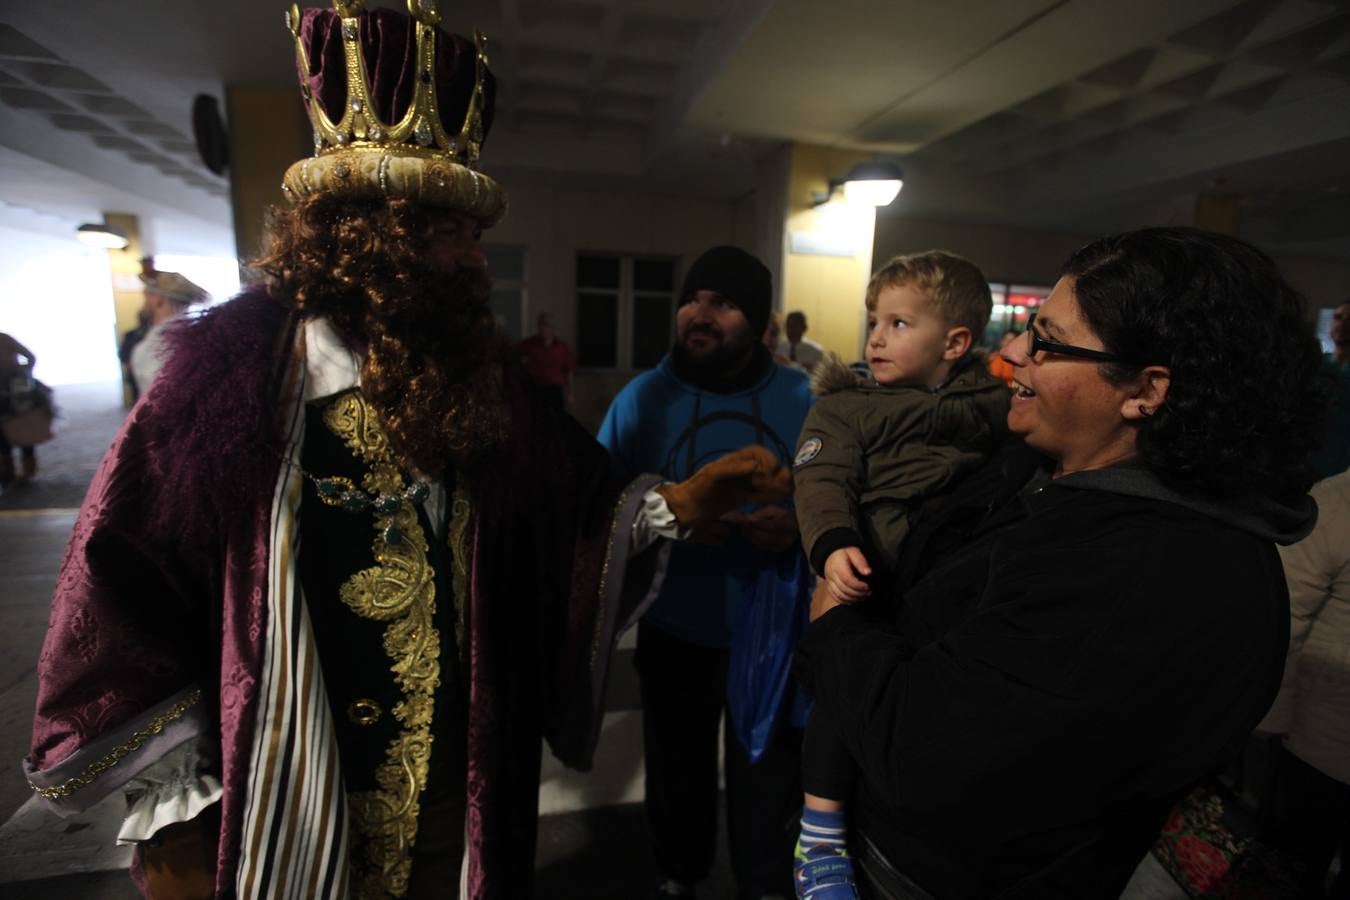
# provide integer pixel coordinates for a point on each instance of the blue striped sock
(823, 829)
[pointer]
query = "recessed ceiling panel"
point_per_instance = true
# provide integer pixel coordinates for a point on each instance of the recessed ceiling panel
(1124, 73)
(1222, 34)
(625, 108)
(545, 98)
(1172, 62)
(1336, 67)
(1290, 16)
(658, 28)
(27, 98)
(14, 43)
(1193, 86)
(1242, 73)
(118, 142)
(546, 16)
(76, 122)
(633, 77)
(60, 76)
(149, 128)
(1301, 46)
(113, 106)
(1255, 97)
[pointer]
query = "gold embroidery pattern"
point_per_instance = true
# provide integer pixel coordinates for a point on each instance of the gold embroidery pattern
(118, 753)
(399, 590)
(457, 535)
(364, 711)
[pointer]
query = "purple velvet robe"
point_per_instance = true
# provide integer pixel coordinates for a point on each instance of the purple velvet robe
(172, 571)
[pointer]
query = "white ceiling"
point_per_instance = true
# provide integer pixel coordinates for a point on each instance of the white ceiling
(1072, 114)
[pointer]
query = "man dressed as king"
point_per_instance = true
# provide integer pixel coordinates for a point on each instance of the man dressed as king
(343, 567)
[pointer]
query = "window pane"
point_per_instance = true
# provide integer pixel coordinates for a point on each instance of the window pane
(597, 329)
(505, 263)
(654, 275)
(597, 272)
(651, 330)
(506, 307)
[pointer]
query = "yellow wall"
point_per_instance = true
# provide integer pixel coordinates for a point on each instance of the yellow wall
(829, 289)
(128, 298)
(268, 132)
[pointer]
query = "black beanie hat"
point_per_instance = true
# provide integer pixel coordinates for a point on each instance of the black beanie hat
(739, 277)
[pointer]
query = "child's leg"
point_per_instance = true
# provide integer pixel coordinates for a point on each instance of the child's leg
(823, 867)
(823, 804)
(827, 769)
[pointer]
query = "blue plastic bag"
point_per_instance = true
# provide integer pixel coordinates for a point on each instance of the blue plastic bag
(765, 626)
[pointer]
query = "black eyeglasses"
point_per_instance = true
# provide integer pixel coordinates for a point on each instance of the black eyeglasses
(1039, 343)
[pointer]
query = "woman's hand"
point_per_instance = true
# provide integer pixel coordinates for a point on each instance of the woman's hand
(845, 570)
(822, 600)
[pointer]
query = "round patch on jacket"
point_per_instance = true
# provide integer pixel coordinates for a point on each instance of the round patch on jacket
(807, 452)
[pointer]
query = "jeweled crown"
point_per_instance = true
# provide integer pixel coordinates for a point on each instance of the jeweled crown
(420, 130)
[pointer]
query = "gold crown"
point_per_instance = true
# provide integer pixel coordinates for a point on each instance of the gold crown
(420, 129)
(362, 155)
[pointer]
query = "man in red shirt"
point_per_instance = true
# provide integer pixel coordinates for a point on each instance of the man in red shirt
(549, 361)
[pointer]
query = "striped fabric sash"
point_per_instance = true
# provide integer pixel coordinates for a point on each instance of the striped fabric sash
(295, 831)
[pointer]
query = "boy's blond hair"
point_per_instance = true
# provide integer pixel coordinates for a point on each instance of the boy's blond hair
(954, 284)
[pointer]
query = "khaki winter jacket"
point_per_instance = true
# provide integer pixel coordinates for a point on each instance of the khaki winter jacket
(869, 455)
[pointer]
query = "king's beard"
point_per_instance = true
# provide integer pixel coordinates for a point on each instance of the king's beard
(432, 368)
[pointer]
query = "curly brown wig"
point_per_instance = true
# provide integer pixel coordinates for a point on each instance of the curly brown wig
(432, 350)
(1245, 405)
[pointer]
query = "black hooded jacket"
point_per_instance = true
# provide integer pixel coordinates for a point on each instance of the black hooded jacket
(1068, 659)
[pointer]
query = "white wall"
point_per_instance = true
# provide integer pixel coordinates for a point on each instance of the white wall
(56, 299)
(554, 224)
(217, 275)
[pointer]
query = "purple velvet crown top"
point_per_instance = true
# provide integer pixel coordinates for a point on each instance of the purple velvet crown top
(389, 48)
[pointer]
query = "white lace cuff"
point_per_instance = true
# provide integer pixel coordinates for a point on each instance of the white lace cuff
(175, 789)
(654, 520)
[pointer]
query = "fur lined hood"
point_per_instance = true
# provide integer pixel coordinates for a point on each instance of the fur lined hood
(833, 375)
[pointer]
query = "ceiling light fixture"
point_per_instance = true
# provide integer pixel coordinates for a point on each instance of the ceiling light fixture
(874, 183)
(104, 237)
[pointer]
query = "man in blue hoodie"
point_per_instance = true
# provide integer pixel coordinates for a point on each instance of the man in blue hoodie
(717, 390)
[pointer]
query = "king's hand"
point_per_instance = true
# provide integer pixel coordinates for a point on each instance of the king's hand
(749, 475)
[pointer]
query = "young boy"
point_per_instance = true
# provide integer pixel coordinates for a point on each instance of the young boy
(870, 453)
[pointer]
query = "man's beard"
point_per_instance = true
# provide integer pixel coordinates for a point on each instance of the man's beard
(432, 369)
(725, 359)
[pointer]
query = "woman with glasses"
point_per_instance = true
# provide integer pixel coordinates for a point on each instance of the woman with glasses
(1090, 621)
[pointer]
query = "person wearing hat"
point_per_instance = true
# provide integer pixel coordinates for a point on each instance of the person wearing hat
(167, 296)
(342, 569)
(717, 389)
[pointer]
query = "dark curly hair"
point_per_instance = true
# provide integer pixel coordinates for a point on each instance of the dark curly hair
(433, 353)
(1245, 404)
